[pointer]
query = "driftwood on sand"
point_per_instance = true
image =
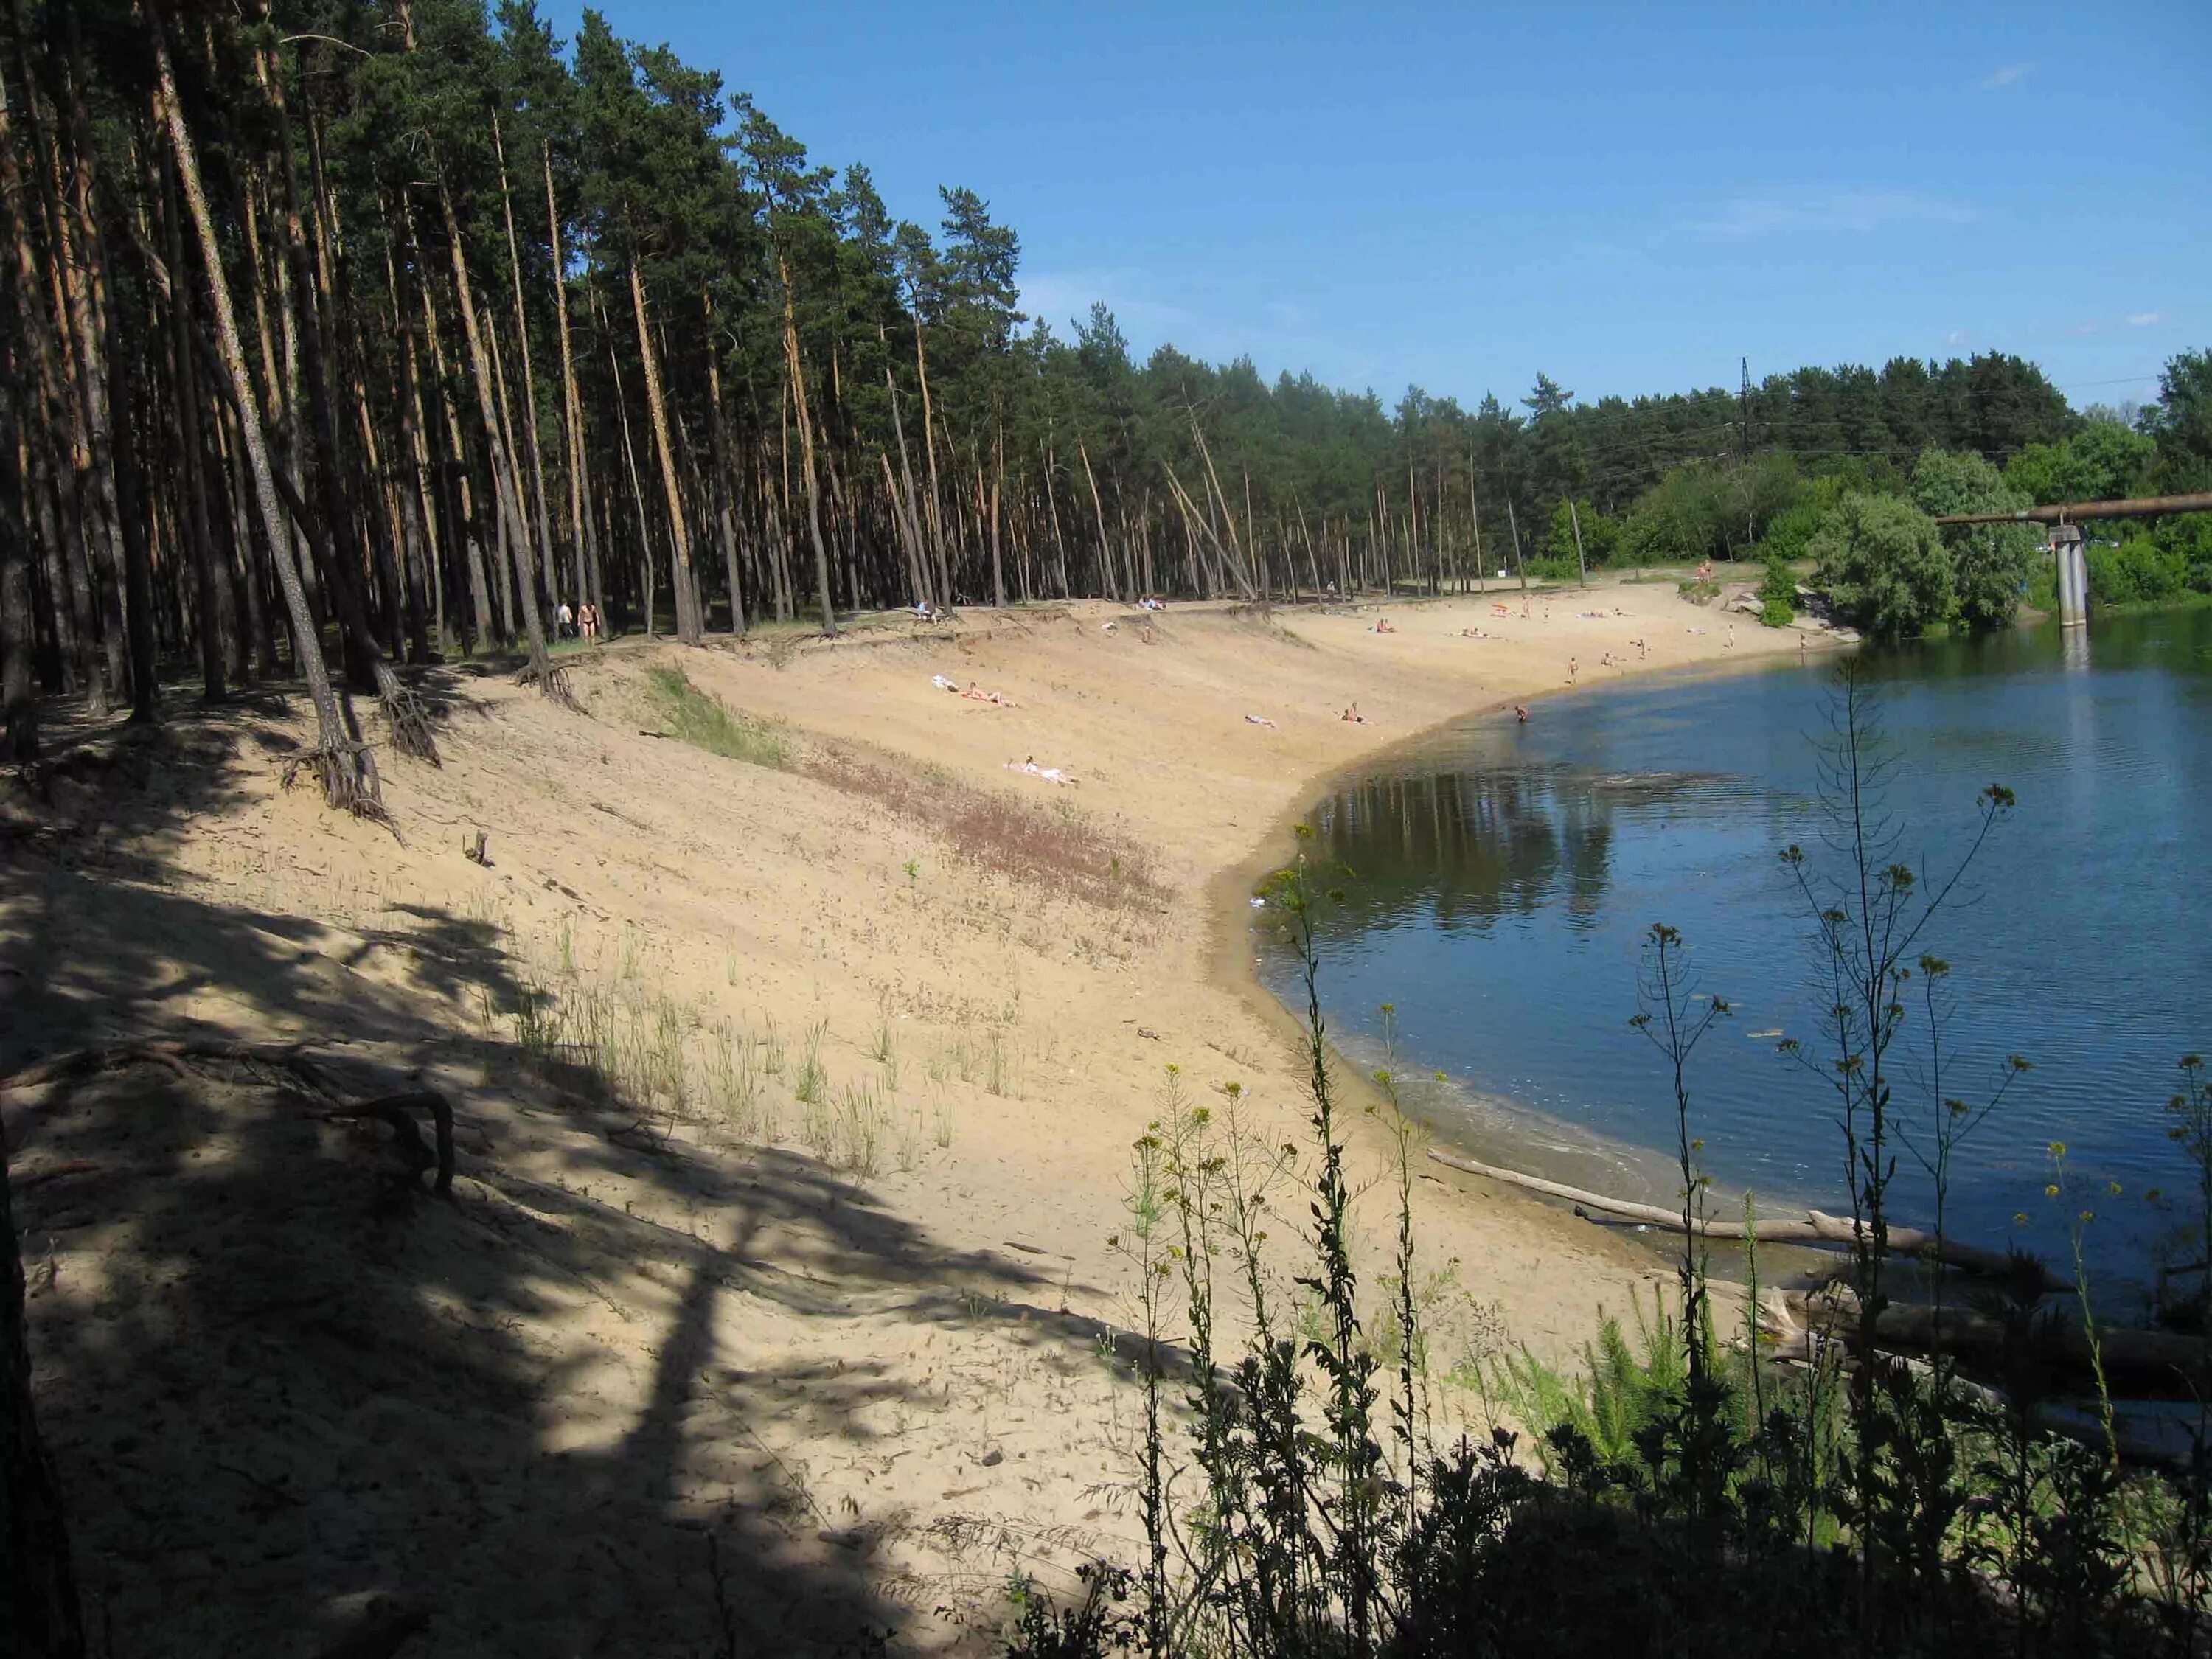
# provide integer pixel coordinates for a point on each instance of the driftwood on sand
(2151, 1363)
(2154, 1363)
(1814, 1227)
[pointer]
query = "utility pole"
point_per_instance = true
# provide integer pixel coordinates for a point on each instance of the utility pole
(1743, 410)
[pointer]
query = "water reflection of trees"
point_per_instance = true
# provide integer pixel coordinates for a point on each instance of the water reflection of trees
(1460, 850)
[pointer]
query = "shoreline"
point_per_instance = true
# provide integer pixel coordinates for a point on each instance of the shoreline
(1233, 967)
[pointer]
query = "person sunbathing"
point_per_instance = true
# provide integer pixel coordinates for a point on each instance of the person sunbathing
(1258, 720)
(1353, 714)
(976, 693)
(1383, 625)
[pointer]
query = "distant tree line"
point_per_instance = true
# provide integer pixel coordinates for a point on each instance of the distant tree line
(1886, 564)
(381, 327)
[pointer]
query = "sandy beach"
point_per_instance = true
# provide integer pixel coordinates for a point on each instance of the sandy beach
(816, 1328)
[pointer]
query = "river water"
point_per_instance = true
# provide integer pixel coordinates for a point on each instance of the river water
(1497, 880)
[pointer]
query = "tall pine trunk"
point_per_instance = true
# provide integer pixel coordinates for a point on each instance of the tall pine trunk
(529, 373)
(795, 370)
(19, 692)
(506, 480)
(572, 408)
(347, 769)
(686, 595)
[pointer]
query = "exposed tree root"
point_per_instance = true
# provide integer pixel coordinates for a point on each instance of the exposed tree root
(551, 681)
(347, 772)
(283, 1066)
(404, 712)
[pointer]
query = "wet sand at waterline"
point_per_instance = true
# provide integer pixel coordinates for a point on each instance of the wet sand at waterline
(858, 1356)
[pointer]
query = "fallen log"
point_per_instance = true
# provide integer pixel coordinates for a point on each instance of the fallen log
(2153, 1363)
(1812, 1228)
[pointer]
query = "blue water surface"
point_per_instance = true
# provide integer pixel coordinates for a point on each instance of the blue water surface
(1499, 881)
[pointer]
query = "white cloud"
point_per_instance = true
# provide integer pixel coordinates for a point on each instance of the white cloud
(2008, 76)
(1836, 212)
(2145, 318)
(1957, 337)
(2090, 327)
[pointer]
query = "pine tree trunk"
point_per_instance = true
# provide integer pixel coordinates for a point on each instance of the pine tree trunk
(1098, 511)
(572, 408)
(52, 413)
(998, 561)
(636, 490)
(506, 480)
(418, 523)
(1052, 505)
(96, 324)
(19, 694)
(687, 619)
(529, 373)
(347, 769)
(726, 489)
(217, 602)
(929, 442)
(918, 556)
(250, 569)
(482, 633)
(795, 370)
(338, 540)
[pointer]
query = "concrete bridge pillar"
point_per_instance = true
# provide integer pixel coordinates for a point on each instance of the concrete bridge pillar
(2073, 575)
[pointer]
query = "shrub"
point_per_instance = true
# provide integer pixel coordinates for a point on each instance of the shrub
(2188, 538)
(2138, 570)
(1777, 593)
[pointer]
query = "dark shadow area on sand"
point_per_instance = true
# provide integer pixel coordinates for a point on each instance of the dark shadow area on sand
(293, 1396)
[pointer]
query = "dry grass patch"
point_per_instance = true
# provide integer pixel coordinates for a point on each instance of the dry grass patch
(1054, 846)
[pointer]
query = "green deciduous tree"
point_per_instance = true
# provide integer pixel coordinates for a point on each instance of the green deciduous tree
(1990, 563)
(2101, 462)
(2180, 421)
(1884, 565)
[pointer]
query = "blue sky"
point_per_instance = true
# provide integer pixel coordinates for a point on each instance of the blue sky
(1628, 197)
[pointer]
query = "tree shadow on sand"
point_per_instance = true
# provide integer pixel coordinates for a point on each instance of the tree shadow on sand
(294, 1397)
